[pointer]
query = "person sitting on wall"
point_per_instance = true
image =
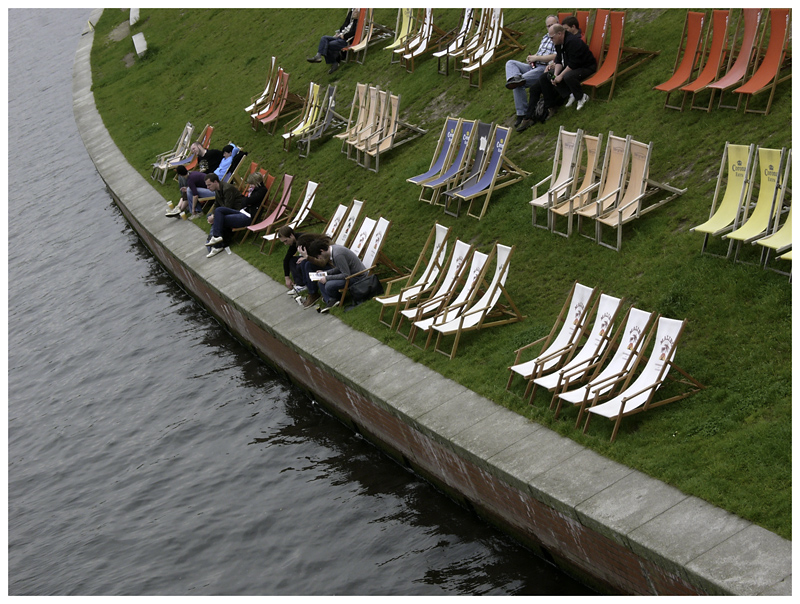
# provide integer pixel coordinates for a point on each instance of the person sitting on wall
(193, 185)
(330, 47)
(345, 263)
(305, 267)
(229, 203)
(292, 274)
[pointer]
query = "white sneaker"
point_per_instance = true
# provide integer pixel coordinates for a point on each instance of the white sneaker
(214, 241)
(582, 102)
(570, 101)
(214, 251)
(173, 213)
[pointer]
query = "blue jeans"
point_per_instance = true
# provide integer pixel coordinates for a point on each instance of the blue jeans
(226, 219)
(530, 75)
(200, 193)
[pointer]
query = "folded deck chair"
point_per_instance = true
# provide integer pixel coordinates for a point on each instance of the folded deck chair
(639, 395)
(619, 59)
(687, 61)
(725, 216)
(416, 286)
(455, 46)
(296, 216)
(348, 224)
(741, 68)
(624, 349)
(370, 254)
(444, 291)
(500, 172)
(638, 196)
(607, 309)
(612, 180)
(403, 27)
(768, 205)
(562, 179)
(259, 101)
(455, 306)
(486, 311)
(560, 343)
(471, 133)
(565, 207)
(714, 51)
(277, 212)
(443, 153)
(177, 153)
(768, 75)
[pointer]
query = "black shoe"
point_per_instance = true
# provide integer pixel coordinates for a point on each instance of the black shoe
(333, 68)
(526, 123)
(515, 82)
(315, 59)
(518, 121)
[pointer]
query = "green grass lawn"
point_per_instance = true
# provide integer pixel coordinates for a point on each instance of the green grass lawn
(729, 444)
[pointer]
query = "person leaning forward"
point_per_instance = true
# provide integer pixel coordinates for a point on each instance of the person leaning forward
(574, 63)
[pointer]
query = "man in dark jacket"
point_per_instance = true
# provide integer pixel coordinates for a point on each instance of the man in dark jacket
(331, 46)
(574, 63)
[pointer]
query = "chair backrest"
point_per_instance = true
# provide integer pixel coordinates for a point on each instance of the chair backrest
(776, 51)
(424, 36)
(739, 165)
(305, 204)
(568, 146)
(714, 54)
(388, 129)
(494, 35)
(480, 31)
(443, 149)
(639, 173)
(769, 164)
(283, 202)
(350, 221)
(372, 250)
(614, 169)
(583, 22)
(737, 72)
(403, 28)
(456, 267)
(494, 163)
(359, 243)
(473, 278)
(467, 131)
(467, 21)
(574, 318)
(688, 56)
(598, 39)
(592, 145)
(482, 144)
(333, 224)
(610, 63)
(476, 313)
(435, 262)
(269, 89)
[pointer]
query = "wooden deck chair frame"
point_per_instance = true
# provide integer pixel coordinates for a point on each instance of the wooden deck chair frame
(297, 215)
(471, 131)
(394, 133)
(177, 153)
(371, 254)
(425, 43)
(740, 60)
(661, 363)
(487, 311)
(768, 75)
(582, 357)
(258, 101)
(359, 107)
(559, 345)
(602, 378)
(445, 289)
(501, 44)
(779, 240)
(724, 216)
(610, 186)
(759, 221)
(276, 209)
(591, 147)
(640, 187)
(619, 59)
(561, 181)
(402, 28)
(715, 49)
(454, 46)
(435, 251)
(328, 120)
(688, 59)
(443, 154)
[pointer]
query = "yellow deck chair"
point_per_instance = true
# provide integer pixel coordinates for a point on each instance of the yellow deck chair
(725, 216)
(403, 27)
(612, 180)
(639, 189)
(562, 179)
(778, 242)
(303, 122)
(565, 207)
(768, 204)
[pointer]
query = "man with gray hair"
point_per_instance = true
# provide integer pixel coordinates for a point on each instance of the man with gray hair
(520, 76)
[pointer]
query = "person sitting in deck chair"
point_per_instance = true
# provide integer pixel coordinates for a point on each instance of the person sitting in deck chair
(345, 263)
(226, 218)
(330, 46)
(193, 185)
(208, 160)
(520, 76)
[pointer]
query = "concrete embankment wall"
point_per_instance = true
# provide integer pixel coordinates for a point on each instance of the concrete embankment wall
(616, 528)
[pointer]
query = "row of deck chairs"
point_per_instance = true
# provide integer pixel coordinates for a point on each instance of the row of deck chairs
(274, 102)
(737, 218)
(180, 154)
(607, 361)
(622, 193)
(450, 295)
(317, 118)
(468, 165)
(756, 62)
(374, 126)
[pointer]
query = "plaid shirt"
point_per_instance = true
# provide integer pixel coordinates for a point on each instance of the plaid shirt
(546, 48)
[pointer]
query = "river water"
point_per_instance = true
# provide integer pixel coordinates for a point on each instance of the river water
(148, 451)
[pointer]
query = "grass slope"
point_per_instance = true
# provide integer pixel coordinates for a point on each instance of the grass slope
(729, 444)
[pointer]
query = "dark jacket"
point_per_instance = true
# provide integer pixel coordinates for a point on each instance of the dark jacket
(574, 53)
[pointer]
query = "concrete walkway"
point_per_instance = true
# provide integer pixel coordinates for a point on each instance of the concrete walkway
(614, 526)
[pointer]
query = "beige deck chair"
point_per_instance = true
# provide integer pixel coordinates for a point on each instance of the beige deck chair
(393, 133)
(768, 204)
(303, 122)
(444, 290)
(359, 107)
(455, 46)
(403, 28)
(565, 207)
(297, 215)
(436, 245)
(639, 189)
(624, 349)
(559, 344)
(561, 182)
(370, 255)
(725, 216)
(469, 290)
(376, 115)
(177, 153)
(578, 366)
(610, 186)
(349, 222)
(258, 101)
(485, 312)
(638, 396)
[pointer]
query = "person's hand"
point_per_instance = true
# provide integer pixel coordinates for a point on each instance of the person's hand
(289, 282)
(323, 278)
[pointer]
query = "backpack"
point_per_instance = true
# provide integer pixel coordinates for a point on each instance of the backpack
(365, 289)
(540, 111)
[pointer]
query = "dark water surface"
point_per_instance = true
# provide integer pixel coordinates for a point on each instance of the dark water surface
(148, 451)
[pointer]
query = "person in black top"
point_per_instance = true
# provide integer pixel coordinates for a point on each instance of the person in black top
(574, 63)
(208, 160)
(330, 46)
(225, 219)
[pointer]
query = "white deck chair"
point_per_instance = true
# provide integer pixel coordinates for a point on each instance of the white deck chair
(269, 90)
(561, 180)
(629, 342)
(486, 312)
(332, 228)
(638, 396)
(426, 281)
(359, 243)
(607, 310)
(555, 348)
(303, 210)
(343, 234)
(456, 45)
(177, 153)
